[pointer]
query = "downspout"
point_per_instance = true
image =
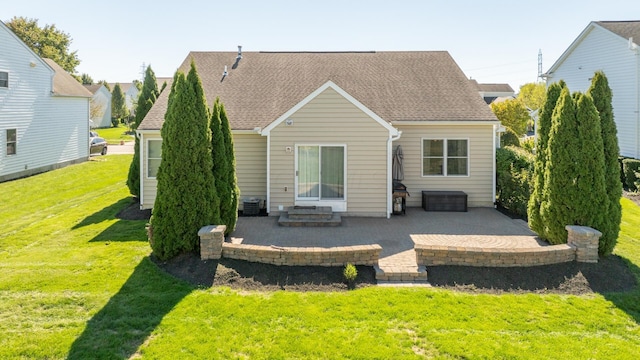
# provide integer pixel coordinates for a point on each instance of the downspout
(141, 159)
(496, 129)
(391, 139)
(268, 200)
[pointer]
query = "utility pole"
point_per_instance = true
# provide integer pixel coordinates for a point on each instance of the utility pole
(539, 64)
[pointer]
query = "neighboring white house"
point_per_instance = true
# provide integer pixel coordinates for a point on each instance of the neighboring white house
(610, 46)
(44, 112)
(100, 106)
(319, 128)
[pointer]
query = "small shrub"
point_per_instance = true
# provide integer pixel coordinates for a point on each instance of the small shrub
(509, 138)
(630, 167)
(115, 122)
(350, 273)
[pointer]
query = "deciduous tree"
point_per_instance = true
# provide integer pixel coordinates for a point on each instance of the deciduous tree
(47, 41)
(512, 114)
(532, 95)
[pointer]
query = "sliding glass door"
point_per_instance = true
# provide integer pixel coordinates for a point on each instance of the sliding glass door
(320, 172)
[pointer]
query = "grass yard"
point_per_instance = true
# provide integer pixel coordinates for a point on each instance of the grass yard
(77, 283)
(115, 135)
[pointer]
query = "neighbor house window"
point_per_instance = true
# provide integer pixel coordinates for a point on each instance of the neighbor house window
(445, 157)
(12, 142)
(4, 79)
(154, 156)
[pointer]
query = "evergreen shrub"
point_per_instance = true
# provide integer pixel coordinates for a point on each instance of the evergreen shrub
(514, 176)
(630, 167)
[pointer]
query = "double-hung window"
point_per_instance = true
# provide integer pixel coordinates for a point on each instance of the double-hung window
(154, 157)
(12, 142)
(4, 79)
(445, 157)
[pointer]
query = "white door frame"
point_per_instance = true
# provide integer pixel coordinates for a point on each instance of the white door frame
(338, 205)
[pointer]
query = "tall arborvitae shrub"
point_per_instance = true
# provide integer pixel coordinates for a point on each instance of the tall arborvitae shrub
(543, 130)
(146, 99)
(592, 201)
(186, 198)
(231, 212)
(559, 195)
(601, 94)
(118, 105)
(220, 169)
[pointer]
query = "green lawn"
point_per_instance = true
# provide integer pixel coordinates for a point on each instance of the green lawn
(77, 283)
(115, 135)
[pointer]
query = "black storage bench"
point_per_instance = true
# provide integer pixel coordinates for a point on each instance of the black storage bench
(444, 200)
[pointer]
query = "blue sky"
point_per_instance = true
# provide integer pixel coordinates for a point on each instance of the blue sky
(492, 41)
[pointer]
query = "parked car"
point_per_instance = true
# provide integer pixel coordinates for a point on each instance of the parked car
(97, 145)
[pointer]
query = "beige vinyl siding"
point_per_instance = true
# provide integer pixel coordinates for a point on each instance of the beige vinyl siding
(478, 185)
(251, 166)
(149, 185)
(330, 119)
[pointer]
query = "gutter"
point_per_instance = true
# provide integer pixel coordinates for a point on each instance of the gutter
(392, 138)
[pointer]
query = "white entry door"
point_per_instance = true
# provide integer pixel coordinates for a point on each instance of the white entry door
(320, 176)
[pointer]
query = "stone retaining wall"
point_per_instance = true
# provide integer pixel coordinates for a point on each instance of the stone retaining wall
(432, 255)
(582, 246)
(304, 256)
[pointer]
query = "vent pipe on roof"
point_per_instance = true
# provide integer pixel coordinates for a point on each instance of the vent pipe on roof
(225, 73)
(239, 52)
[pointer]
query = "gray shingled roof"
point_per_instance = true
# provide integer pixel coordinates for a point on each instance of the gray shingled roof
(397, 86)
(495, 88)
(93, 87)
(64, 84)
(626, 29)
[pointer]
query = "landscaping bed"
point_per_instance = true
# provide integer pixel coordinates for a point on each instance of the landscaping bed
(610, 274)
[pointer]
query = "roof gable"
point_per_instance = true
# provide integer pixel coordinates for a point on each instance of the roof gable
(320, 90)
(26, 47)
(64, 84)
(623, 29)
(395, 86)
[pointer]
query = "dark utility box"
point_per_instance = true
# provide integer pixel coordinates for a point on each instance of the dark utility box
(444, 201)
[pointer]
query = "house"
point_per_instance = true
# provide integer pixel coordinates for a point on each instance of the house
(44, 112)
(491, 92)
(319, 128)
(100, 105)
(610, 46)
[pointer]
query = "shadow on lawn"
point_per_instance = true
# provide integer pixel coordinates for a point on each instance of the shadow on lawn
(123, 230)
(107, 213)
(127, 320)
(629, 302)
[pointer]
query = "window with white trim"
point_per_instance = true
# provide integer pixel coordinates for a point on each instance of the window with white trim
(445, 157)
(4, 79)
(12, 142)
(154, 157)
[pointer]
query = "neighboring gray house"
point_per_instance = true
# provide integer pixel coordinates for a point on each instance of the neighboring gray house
(44, 112)
(130, 92)
(100, 106)
(610, 46)
(319, 128)
(491, 92)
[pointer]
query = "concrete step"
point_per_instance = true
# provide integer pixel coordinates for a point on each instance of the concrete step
(334, 220)
(309, 212)
(401, 274)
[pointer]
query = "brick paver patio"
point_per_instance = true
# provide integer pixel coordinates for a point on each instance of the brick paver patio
(478, 228)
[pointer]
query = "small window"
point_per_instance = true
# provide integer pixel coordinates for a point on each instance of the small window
(4, 79)
(445, 157)
(154, 157)
(12, 142)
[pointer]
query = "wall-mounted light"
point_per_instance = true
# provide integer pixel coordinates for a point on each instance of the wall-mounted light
(288, 149)
(288, 122)
(32, 63)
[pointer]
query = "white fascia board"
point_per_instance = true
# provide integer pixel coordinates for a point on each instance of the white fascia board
(329, 84)
(446, 122)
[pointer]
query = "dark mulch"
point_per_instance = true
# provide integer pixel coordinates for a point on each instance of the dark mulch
(610, 274)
